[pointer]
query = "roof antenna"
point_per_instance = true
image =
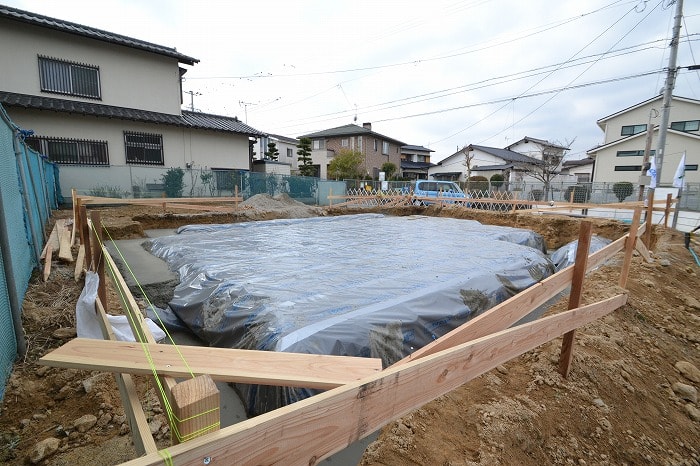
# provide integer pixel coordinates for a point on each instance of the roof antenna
(355, 119)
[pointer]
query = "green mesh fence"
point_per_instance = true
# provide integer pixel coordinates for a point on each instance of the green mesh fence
(28, 193)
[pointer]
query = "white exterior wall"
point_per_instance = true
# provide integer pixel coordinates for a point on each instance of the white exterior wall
(322, 157)
(292, 161)
(128, 77)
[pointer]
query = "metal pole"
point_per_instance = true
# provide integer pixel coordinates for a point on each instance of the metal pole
(668, 90)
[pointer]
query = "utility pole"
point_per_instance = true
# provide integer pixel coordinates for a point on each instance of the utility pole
(245, 108)
(668, 90)
(192, 94)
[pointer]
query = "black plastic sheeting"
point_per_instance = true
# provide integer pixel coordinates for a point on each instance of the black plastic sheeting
(360, 285)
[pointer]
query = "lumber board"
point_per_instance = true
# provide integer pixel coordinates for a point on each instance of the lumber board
(64, 248)
(155, 201)
(629, 248)
(639, 246)
(79, 263)
(140, 430)
(224, 364)
(312, 429)
(195, 406)
(53, 241)
(508, 312)
(203, 208)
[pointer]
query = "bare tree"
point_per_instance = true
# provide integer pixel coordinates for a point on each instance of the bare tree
(468, 157)
(548, 166)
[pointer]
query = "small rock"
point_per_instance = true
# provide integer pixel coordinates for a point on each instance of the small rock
(155, 426)
(691, 302)
(44, 449)
(693, 412)
(63, 393)
(42, 370)
(502, 369)
(124, 429)
(688, 370)
(599, 403)
(119, 419)
(606, 424)
(104, 420)
(24, 423)
(38, 417)
(65, 333)
(85, 423)
(685, 392)
(649, 283)
(664, 262)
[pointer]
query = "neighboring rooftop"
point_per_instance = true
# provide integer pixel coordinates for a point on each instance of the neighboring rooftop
(505, 154)
(348, 130)
(186, 119)
(578, 163)
(409, 147)
(542, 142)
(92, 33)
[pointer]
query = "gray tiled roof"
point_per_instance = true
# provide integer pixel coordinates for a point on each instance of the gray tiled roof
(407, 164)
(507, 155)
(416, 148)
(93, 33)
(578, 163)
(186, 119)
(348, 130)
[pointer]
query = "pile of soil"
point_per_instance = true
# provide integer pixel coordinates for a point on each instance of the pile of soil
(631, 396)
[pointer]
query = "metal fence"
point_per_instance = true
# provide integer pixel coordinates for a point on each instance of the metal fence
(28, 192)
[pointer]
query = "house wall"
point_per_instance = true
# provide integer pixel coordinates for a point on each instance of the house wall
(128, 77)
(373, 159)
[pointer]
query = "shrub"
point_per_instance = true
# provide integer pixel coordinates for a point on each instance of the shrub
(582, 193)
(536, 194)
(478, 183)
(107, 191)
(623, 190)
(173, 182)
(497, 180)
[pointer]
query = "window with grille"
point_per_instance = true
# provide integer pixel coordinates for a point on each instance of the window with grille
(143, 148)
(63, 77)
(71, 151)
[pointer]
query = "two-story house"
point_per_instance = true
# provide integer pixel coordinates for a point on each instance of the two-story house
(415, 162)
(621, 156)
(106, 107)
(286, 162)
(376, 148)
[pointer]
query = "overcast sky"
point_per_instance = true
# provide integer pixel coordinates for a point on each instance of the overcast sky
(439, 73)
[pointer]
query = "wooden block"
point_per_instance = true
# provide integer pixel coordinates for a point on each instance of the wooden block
(196, 408)
(79, 263)
(53, 241)
(229, 365)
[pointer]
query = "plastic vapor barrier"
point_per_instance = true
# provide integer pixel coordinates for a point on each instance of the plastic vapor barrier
(360, 285)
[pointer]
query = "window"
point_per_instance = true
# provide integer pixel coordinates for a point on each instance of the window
(628, 168)
(71, 151)
(344, 142)
(319, 144)
(143, 148)
(633, 153)
(290, 152)
(633, 129)
(64, 77)
(583, 177)
(385, 148)
(420, 158)
(691, 125)
(375, 145)
(691, 168)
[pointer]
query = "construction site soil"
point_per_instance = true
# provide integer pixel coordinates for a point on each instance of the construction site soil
(630, 398)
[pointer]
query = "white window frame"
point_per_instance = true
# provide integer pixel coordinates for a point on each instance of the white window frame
(385, 147)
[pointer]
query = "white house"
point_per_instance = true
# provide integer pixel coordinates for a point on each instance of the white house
(106, 107)
(286, 146)
(621, 156)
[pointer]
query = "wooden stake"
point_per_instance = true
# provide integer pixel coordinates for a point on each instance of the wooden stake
(650, 216)
(64, 247)
(195, 408)
(85, 237)
(74, 197)
(629, 247)
(79, 263)
(47, 262)
(98, 256)
(669, 197)
(584, 244)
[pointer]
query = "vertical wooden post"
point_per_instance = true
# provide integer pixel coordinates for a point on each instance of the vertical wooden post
(85, 237)
(650, 216)
(629, 247)
(98, 256)
(195, 404)
(667, 212)
(77, 221)
(515, 202)
(584, 244)
(235, 198)
(76, 212)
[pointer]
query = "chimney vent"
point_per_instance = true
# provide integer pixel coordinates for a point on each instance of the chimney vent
(367, 126)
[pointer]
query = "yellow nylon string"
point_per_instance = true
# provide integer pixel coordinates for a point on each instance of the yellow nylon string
(142, 339)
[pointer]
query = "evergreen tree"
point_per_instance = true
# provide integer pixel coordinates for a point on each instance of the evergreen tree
(272, 153)
(306, 167)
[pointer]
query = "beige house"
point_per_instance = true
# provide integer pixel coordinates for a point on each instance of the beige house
(620, 157)
(106, 107)
(376, 148)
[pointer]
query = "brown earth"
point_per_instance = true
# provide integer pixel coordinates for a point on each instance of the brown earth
(624, 402)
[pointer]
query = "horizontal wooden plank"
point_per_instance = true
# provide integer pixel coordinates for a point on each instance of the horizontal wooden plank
(229, 365)
(88, 200)
(315, 428)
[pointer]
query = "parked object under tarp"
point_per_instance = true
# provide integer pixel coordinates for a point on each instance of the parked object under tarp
(358, 285)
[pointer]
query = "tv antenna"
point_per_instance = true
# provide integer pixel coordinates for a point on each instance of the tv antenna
(192, 94)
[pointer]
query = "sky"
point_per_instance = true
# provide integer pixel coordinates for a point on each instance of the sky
(442, 73)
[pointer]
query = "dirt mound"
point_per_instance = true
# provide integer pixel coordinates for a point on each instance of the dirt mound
(280, 203)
